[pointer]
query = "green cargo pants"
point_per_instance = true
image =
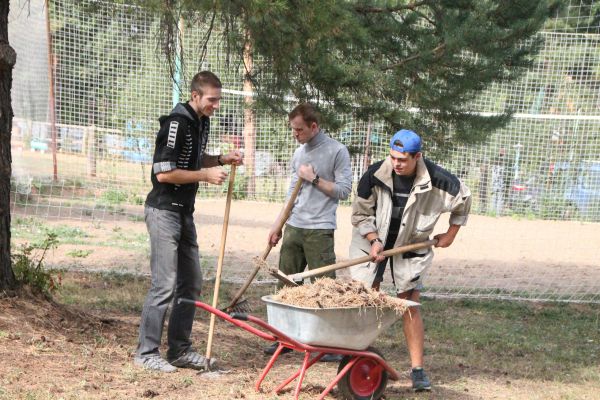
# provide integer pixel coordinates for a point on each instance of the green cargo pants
(302, 247)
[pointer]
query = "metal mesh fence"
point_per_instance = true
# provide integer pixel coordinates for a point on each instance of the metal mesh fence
(110, 85)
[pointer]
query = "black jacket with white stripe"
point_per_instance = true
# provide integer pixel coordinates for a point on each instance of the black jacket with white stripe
(180, 144)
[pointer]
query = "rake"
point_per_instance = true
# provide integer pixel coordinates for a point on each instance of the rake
(238, 304)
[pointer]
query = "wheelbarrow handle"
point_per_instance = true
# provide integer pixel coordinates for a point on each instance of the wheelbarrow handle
(361, 260)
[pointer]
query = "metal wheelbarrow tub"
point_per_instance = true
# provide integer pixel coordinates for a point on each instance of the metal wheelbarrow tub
(353, 328)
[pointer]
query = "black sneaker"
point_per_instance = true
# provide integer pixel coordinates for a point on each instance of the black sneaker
(270, 350)
(420, 381)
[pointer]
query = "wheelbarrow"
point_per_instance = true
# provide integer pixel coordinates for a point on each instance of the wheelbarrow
(362, 373)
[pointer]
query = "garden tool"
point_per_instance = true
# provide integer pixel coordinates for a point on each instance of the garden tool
(238, 305)
(219, 266)
(293, 279)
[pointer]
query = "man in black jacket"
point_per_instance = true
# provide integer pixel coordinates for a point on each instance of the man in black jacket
(179, 164)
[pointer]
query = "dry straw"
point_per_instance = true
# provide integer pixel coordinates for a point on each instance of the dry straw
(329, 293)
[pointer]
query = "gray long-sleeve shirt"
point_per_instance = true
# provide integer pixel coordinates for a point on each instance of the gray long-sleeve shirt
(314, 209)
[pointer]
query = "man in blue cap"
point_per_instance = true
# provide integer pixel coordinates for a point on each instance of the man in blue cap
(398, 202)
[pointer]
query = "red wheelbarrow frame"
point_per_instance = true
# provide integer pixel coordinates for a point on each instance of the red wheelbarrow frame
(285, 341)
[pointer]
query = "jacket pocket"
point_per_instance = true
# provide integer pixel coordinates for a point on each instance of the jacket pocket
(424, 226)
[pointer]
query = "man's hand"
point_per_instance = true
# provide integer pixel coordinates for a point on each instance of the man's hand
(214, 175)
(307, 172)
(274, 237)
(233, 157)
(446, 239)
(376, 249)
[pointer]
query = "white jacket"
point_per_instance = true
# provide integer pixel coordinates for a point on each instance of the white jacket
(435, 191)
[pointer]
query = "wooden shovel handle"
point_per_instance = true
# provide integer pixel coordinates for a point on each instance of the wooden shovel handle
(220, 260)
(360, 260)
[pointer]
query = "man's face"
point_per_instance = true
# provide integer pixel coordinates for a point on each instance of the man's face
(207, 103)
(404, 163)
(302, 131)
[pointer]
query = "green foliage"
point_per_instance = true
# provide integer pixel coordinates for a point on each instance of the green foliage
(380, 60)
(553, 207)
(113, 196)
(240, 187)
(65, 232)
(98, 83)
(507, 335)
(79, 253)
(420, 64)
(29, 268)
(581, 17)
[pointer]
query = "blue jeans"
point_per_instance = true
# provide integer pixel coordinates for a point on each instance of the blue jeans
(175, 269)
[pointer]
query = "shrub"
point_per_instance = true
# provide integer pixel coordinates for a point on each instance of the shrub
(29, 268)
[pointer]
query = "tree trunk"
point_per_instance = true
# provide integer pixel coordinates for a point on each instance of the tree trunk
(249, 125)
(7, 62)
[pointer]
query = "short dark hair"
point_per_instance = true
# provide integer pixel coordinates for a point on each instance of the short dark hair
(307, 111)
(202, 79)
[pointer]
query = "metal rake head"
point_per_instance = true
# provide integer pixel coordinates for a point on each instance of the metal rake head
(241, 306)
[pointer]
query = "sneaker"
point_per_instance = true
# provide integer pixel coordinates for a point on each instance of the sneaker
(270, 350)
(154, 362)
(193, 360)
(330, 357)
(420, 381)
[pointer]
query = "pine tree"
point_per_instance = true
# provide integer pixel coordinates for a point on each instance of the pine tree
(415, 64)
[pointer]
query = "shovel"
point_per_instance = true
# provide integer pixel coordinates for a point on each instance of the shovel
(291, 280)
(219, 266)
(236, 304)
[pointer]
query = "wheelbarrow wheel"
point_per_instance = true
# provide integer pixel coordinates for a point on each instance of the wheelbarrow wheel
(366, 379)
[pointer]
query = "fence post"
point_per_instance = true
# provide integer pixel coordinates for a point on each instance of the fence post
(91, 150)
(249, 124)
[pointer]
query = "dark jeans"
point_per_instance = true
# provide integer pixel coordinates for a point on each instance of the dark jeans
(175, 268)
(302, 247)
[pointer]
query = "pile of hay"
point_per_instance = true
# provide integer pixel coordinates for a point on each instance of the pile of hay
(330, 293)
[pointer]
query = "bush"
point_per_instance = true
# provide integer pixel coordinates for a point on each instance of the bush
(29, 268)
(240, 187)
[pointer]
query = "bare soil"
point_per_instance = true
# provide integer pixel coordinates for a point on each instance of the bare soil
(505, 253)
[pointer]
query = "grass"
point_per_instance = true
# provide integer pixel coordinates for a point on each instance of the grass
(104, 291)
(512, 339)
(474, 348)
(79, 253)
(35, 230)
(518, 340)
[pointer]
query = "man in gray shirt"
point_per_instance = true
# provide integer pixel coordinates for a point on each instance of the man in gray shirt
(324, 165)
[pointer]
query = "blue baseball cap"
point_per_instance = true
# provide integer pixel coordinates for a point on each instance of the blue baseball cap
(406, 141)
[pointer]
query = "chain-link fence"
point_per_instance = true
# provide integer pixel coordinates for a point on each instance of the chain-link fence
(110, 85)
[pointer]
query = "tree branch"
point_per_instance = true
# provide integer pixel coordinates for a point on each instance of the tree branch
(379, 10)
(436, 51)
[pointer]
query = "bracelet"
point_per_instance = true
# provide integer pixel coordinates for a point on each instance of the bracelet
(219, 160)
(375, 240)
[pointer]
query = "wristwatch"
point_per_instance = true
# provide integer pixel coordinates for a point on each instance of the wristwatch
(315, 181)
(219, 160)
(375, 240)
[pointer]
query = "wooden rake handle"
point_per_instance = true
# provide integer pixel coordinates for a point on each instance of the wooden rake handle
(361, 260)
(220, 261)
(284, 217)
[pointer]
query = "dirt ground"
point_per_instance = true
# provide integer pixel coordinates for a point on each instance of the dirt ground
(52, 351)
(540, 257)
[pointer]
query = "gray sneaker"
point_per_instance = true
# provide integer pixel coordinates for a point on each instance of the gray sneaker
(193, 360)
(154, 362)
(420, 381)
